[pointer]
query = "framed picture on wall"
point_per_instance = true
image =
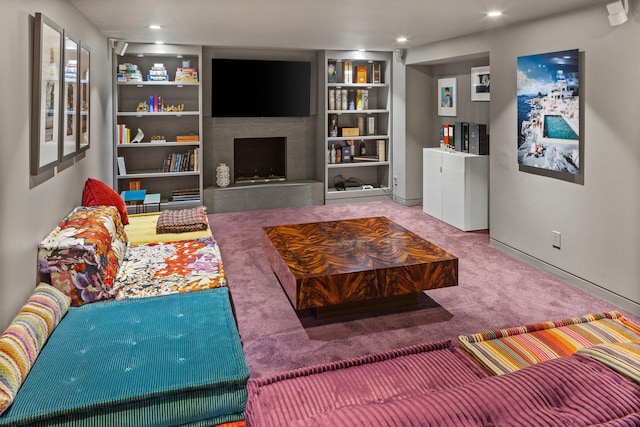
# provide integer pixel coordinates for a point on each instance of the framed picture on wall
(85, 98)
(447, 93)
(47, 94)
(549, 115)
(480, 79)
(69, 128)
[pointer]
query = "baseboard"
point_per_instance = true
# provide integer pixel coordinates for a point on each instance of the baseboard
(406, 202)
(576, 281)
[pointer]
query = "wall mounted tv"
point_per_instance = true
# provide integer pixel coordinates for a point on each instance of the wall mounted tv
(258, 88)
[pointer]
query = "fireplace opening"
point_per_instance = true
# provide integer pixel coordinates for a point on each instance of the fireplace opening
(258, 160)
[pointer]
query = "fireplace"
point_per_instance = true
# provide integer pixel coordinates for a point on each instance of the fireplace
(259, 160)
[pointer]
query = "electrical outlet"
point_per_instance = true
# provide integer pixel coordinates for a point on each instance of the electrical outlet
(555, 236)
(395, 180)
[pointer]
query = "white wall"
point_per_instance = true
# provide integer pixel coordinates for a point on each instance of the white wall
(31, 206)
(600, 220)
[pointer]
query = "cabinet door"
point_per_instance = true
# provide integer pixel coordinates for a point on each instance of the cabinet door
(453, 197)
(432, 183)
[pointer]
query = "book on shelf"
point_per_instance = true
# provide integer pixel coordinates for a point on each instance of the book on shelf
(188, 138)
(381, 150)
(361, 74)
(376, 71)
(365, 158)
(186, 74)
(157, 73)
(185, 194)
(134, 184)
(347, 72)
(332, 76)
(124, 134)
(122, 167)
(365, 99)
(181, 162)
(128, 72)
(338, 102)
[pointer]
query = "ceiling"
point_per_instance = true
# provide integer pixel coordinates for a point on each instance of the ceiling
(311, 24)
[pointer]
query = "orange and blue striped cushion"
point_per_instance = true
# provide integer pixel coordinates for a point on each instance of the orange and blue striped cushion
(507, 350)
(21, 343)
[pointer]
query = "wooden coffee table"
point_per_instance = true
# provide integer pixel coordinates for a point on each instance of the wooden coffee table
(355, 265)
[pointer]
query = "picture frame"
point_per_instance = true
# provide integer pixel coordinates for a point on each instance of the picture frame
(84, 110)
(447, 97)
(549, 121)
(480, 79)
(70, 99)
(47, 94)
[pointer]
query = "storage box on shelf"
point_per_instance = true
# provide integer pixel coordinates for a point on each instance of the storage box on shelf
(158, 101)
(357, 118)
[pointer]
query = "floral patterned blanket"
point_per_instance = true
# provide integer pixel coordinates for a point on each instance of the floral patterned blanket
(169, 267)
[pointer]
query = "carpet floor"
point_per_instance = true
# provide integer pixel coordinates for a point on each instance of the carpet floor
(494, 291)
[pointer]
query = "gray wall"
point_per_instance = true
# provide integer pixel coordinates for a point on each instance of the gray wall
(219, 132)
(32, 206)
(419, 118)
(598, 220)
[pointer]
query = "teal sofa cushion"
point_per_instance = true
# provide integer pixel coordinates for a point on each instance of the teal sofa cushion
(167, 360)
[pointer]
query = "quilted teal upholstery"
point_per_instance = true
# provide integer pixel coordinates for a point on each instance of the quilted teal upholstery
(167, 360)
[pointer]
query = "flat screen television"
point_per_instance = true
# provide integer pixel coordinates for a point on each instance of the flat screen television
(259, 88)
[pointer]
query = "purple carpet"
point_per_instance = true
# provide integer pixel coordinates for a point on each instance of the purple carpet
(495, 291)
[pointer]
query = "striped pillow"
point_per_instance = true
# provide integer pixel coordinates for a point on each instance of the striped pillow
(624, 358)
(21, 343)
(507, 350)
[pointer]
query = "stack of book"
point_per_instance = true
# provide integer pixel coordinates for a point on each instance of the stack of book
(348, 99)
(186, 75)
(128, 72)
(181, 162)
(124, 134)
(157, 73)
(156, 104)
(187, 194)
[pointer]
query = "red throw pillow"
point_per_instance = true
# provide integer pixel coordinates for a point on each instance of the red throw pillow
(97, 193)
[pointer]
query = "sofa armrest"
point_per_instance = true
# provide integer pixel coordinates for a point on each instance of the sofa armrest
(83, 253)
(21, 343)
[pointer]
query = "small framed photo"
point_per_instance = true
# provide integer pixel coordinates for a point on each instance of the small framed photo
(447, 101)
(480, 78)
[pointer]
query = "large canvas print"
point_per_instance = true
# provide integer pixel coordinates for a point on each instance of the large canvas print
(549, 114)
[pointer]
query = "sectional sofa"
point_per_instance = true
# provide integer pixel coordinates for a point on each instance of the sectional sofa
(581, 371)
(135, 327)
(122, 333)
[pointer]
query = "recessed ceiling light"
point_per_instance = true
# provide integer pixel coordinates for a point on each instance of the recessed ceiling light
(159, 42)
(494, 14)
(155, 27)
(401, 39)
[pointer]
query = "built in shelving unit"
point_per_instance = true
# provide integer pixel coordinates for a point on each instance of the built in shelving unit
(357, 107)
(168, 160)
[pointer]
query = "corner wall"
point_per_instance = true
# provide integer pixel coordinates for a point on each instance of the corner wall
(30, 207)
(599, 220)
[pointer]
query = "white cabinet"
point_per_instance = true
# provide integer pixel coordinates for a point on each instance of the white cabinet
(456, 188)
(168, 159)
(356, 107)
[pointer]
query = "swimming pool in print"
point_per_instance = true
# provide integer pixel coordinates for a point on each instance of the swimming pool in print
(556, 127)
